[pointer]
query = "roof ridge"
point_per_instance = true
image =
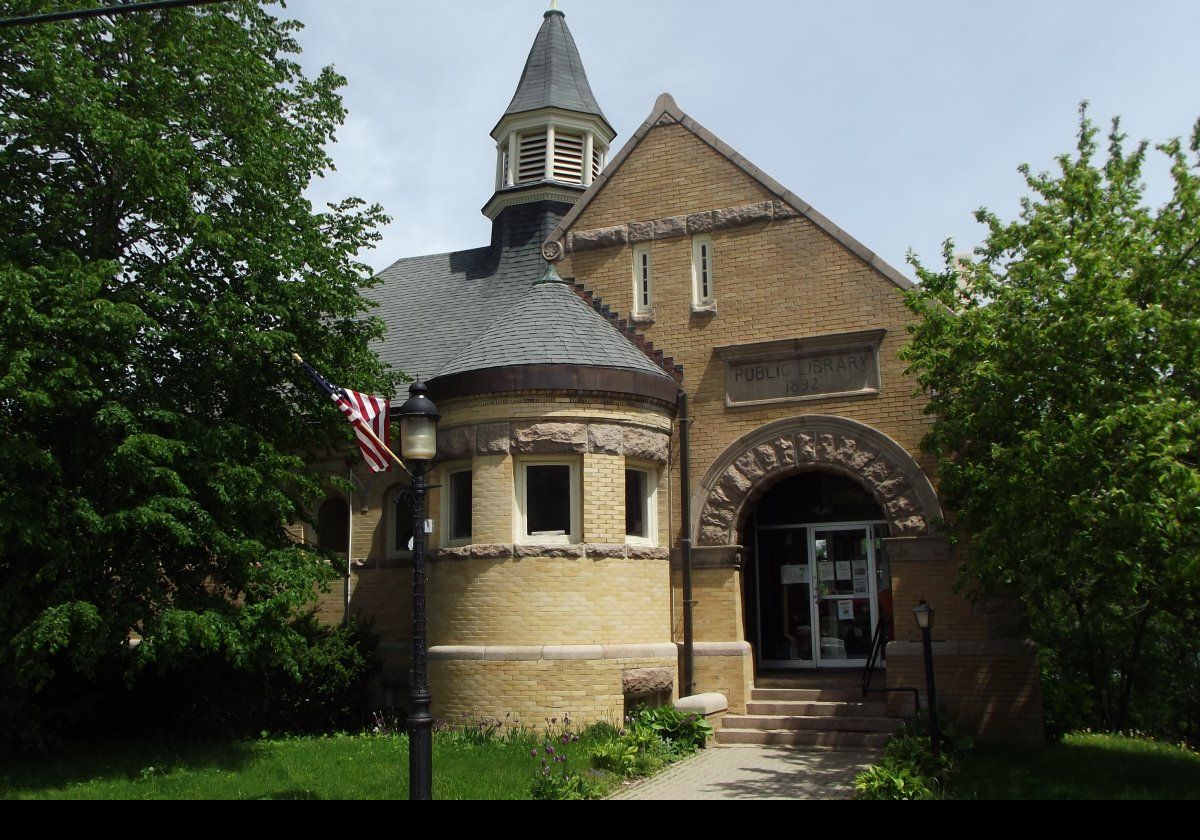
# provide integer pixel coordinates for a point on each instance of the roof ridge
(667, 363)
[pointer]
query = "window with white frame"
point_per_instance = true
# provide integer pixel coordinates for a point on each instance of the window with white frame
(456, 505)
(643, 291)
(641, 496)
(398, 521)
(702, 270)
(547, 500)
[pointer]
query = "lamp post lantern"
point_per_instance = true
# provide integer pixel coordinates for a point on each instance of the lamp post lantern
(924, 616)
(418, 445)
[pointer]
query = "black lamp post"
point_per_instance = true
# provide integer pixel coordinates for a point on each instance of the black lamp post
(418, 446)
(924, 615)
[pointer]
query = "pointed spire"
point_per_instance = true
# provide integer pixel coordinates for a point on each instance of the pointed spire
(554, 76)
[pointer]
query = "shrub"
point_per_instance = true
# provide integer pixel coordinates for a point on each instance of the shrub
(908, 769)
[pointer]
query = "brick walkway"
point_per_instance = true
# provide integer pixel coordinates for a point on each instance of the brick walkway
(752, 772)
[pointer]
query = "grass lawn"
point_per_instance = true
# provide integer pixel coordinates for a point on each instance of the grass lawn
(336, 767)
(1081, 766)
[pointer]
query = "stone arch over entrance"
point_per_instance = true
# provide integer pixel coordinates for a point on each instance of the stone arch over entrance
(812, 442)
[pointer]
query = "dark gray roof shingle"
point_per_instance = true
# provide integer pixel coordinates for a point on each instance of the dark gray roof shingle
(550, 325)
(443, 312)
(554, 76)
(434, 305)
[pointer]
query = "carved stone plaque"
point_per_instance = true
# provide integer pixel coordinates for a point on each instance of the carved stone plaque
(846, 364)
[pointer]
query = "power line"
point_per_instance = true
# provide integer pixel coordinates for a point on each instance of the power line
(101, 11)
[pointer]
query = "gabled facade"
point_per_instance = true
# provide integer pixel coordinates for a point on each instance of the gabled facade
(572, 506)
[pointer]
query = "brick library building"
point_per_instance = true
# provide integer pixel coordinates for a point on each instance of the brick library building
(678, 453)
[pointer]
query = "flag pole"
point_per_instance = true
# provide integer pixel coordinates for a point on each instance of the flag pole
(366, 428)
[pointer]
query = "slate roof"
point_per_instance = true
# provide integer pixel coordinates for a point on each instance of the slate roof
(468, 310)
(435, 305)
(554, 76)
(550, 324)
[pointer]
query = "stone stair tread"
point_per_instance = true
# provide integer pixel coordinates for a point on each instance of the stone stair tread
(802, 738)
(807, 694)
(823, 723)
(815, 707)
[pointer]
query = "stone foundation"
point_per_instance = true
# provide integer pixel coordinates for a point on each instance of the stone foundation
(532, 685)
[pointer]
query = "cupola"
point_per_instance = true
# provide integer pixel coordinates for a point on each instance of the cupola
(553, 139)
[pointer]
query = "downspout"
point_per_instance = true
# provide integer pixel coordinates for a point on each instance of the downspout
(685, 505)
(349, 555)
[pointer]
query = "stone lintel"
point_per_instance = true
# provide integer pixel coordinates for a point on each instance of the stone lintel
(710, 557)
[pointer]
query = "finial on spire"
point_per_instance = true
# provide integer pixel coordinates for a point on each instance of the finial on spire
(553, 10)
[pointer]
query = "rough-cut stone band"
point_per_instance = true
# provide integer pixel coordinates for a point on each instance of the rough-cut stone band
(834, 444)
(669, 228)
(646, 443)
(552, 551)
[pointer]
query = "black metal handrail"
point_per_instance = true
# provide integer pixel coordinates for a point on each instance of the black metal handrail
(878, 645)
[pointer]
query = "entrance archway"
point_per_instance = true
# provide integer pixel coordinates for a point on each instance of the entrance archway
(816, 580)
(837, 445)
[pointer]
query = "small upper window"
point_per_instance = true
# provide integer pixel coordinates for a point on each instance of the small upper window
(640, 506)
(548, 502)
(457, 520)
(702, 270)
(643, 291)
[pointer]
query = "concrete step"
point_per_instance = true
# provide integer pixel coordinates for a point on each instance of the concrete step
(821, 723)
(794, 708)
(801, 738)
(810, 695)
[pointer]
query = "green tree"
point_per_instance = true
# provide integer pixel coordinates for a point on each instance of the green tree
(158, 259)
(1063, 371)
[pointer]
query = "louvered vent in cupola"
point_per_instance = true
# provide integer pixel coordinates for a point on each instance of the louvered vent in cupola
(597, 162)
(531, 159)
(568, 158)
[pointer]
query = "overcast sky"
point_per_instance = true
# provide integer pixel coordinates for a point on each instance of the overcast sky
(894, 119)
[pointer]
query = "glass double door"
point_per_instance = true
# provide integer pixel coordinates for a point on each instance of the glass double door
(818, 594)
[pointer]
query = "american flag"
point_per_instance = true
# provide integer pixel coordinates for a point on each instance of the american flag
(364, 412)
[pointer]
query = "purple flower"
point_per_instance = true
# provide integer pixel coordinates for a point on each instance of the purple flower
(533, 753)
(566, 739)
(549, 750)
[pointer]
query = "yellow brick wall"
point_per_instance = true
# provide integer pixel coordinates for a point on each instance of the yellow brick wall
(492, 500)
(532, 693)
(604, 495)
(732, 676)
(717, 616)
(670, 170)
(549, 601)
